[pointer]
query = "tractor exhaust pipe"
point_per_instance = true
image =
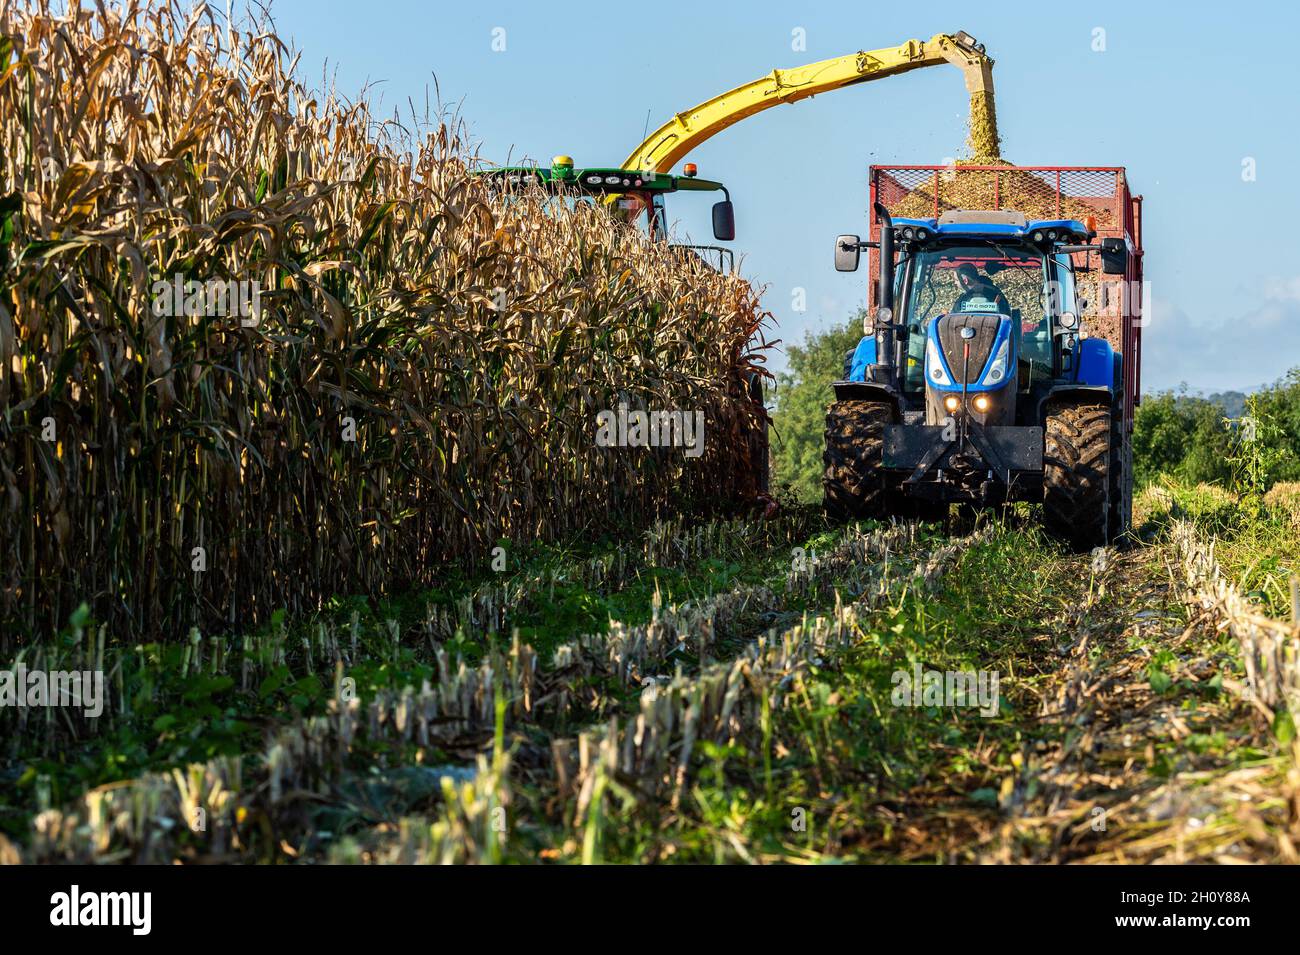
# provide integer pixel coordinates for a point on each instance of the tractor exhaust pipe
(883, 370)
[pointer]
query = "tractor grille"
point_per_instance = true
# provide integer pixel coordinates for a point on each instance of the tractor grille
(986, 332)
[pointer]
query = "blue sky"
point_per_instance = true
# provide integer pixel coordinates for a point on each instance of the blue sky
(1181, 95)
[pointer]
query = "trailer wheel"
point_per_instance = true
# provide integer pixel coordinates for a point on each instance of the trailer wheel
(854, 480)
(1121, 488)
(1077, 475)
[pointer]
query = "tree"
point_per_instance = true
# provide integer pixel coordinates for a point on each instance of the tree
(1197, 439)
(1182, 436)
(804, 392)
(1281, 403)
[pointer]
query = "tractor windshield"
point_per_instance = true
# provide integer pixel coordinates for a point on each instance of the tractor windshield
(990, 277)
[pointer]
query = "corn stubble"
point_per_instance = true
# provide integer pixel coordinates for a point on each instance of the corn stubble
(471, 337)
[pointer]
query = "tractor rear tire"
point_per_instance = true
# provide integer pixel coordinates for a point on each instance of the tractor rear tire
(1077, 475)
(854, 480)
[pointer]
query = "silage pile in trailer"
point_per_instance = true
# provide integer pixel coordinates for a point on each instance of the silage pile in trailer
(423, 377)
(1008, 188)
(1011, 188)
(1032, 194)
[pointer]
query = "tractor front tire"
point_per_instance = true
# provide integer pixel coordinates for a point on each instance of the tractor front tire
(854, 480)
(1077, 481)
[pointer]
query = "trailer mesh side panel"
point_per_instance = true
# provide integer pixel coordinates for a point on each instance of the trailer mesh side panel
(1040, 193)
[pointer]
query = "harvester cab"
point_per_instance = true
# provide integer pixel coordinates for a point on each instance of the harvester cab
(633, 197)
(637, 198)
(977, 382)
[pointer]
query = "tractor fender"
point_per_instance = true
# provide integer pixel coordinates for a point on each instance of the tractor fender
(1077, 394)
(866, 391)
(1096, 363)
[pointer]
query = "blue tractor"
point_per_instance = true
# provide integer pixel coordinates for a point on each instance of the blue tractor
(977, 384)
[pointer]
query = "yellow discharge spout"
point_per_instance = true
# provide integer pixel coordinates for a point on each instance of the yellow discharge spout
(677, 137)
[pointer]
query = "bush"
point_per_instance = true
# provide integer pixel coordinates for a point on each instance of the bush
(1196, 440)
(804, 394)
(1181, 436)
(1284, 500)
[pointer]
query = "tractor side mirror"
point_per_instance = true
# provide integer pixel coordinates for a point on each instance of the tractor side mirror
(1114, 257)
(724, 221)
(846, 253)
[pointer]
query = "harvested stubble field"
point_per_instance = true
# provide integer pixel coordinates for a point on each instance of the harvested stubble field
(720, 691)
(352, 680)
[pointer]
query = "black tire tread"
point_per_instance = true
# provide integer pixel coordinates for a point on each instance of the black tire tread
(1077, 475)
(854, 479)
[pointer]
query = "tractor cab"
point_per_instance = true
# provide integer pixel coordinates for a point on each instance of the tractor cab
(983, 313)
(635, 198)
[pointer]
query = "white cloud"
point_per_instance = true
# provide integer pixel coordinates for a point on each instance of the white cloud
(1282, 290)
(1237, 354)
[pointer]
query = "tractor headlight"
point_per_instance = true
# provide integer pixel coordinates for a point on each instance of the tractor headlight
(982, 403)
(998, 370)
(934, 366)
(951, 403)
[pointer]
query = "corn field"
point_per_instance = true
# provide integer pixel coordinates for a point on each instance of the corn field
(420, 381)
(281, 372)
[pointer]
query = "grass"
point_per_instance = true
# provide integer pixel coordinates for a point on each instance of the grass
(1259, 547)
(856, 770)
(176, 715)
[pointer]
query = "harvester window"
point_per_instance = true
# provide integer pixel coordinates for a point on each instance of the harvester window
(568, 201)
(658, 218)
(630, 207)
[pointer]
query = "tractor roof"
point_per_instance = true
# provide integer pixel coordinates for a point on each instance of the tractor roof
(998, 223)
